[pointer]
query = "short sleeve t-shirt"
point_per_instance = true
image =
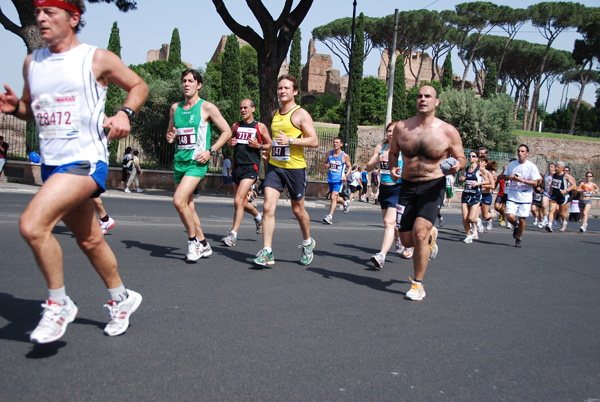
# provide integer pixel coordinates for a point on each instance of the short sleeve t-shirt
(520, 192)
(226, 167)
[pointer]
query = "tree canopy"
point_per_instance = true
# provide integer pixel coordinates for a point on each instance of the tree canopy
(28, 30)
(272, 47)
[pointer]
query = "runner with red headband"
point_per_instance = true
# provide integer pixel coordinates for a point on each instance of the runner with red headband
(64, 93)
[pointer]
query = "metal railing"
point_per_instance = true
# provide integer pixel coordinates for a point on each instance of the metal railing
(22, 138)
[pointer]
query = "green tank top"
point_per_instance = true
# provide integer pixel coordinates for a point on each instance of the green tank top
(193, 134)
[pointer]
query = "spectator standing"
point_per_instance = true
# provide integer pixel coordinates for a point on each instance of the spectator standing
(134, 171)
(3, 154)
(227, 178)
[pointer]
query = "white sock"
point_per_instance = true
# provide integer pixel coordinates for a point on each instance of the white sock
(233, 232)
(118, 294)
(269, 250)
(58, 295)
(258, 218)
(306, 242)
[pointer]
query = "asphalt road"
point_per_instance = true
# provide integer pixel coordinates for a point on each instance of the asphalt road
(498, 323)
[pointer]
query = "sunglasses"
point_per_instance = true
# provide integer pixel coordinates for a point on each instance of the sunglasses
(589, 176)
(472, 156)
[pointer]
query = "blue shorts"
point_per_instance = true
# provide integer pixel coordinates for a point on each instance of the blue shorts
(337, 187)
(470, 199)
(388, 195)
(98, 170)
(227, 180)
(486, 198)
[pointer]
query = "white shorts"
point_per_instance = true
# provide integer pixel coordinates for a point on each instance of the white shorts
(518, 209)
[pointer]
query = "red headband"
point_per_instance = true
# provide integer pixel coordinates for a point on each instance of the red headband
(57, 3)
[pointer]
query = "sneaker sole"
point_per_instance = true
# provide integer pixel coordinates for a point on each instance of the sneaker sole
(61, 334)
(376, 264)
(415, 299)
(109, 228)
(206, 253)
(263, 264)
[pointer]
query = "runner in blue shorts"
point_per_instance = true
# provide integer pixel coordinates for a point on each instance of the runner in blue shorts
(65, 93)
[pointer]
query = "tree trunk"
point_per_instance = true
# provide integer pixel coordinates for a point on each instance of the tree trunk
(584, 80)
(272, 48)
(28, 31)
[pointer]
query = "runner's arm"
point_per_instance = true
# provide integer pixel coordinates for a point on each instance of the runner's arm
(109, 68)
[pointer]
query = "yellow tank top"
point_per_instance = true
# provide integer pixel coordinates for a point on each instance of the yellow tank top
(286, 156)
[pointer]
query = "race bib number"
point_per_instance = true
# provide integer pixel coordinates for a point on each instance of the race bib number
(399, 213)
(243, 134)
(186, 138)
(383, 164)
(57, 116)
(281, 152)
(469, 186)
(537, 196)
(556, 183)
(335, 166)
(588, 193)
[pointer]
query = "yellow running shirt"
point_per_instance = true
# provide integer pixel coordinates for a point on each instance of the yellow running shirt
(286, 156)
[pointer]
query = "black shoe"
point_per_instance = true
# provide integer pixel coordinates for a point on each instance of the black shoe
(518, 243)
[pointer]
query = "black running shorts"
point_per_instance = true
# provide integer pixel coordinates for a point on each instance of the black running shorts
(294, 179)
(420, 200)
(241, 172)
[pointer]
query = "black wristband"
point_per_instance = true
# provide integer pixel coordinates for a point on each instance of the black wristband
(14, 112)
(129, 112)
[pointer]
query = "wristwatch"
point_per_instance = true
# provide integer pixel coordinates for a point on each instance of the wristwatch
(130, 113)
(291, 141)
(212, 152)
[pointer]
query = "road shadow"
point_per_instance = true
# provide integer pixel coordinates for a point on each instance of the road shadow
(23, 315)
(370, 282)
(156, 250)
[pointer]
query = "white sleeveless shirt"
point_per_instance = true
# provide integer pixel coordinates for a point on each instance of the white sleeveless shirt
(68, 106)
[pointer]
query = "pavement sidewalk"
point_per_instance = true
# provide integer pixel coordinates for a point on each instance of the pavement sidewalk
(211, 197)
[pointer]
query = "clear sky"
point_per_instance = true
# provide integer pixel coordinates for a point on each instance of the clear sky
(200, 29)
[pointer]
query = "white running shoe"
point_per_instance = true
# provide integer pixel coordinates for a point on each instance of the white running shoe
(399, 246)
(509, 225)
(433, 247)
(193, 253)
(479, 225)
(120, 313)
(55, 319)
(127, 190)
(583, 228)
(106, 226)
(346, 207)
(258, 224)
(378, 260)
(468, 239)
(535, 222)
(441, 220)
(489, 225)
(408, 252)
(204, 251)
(563, 227)
(139, 190)
(229, 240)
(328, 220)
(474, 235)
(416, 292)
(434, 252)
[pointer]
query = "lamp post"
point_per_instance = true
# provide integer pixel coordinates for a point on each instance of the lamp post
(349, 91)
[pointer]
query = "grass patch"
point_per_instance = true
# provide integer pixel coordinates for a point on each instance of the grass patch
(535, 134)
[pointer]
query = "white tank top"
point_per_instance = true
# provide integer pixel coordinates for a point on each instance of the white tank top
(68, 106)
